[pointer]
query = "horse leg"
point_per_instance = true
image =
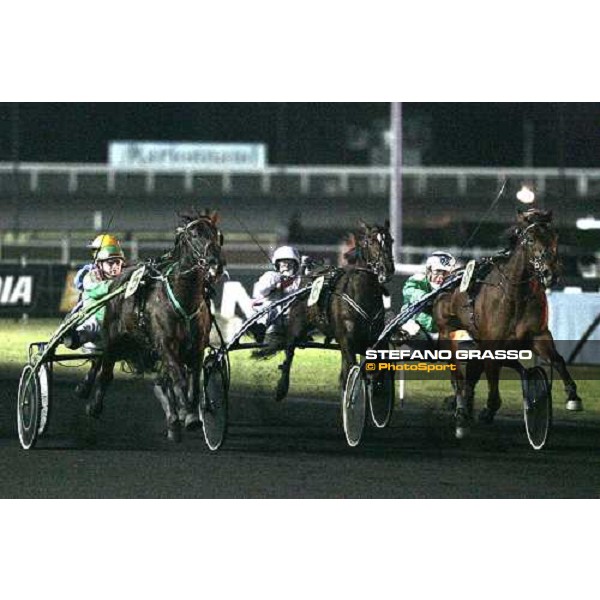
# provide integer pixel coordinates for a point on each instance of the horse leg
(162, 393)
(296, 329)
(83, 389)
(449, 402)
(283, 385)
(348, 361)
(543, 346)
(193, 420)
(105, 376)
(473, 372)
(494, 402)
(463, 412)
(187, 411)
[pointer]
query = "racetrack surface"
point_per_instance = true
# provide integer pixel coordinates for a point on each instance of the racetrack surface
(291, 450)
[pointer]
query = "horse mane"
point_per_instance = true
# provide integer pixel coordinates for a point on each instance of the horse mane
(534, 216)
(206, 222)
(349, 245)
(526, 218)
(207, 217)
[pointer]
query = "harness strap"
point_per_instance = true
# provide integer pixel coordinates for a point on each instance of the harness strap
(176, 304)
(360, 310)
(355, 306)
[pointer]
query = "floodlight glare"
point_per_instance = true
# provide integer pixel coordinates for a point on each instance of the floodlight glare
(587, 223)
(525, 195)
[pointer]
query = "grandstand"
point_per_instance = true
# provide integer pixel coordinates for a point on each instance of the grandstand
(49, 210)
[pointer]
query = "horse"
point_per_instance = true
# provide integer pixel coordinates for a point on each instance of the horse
(350, 309)
(165, 325)
(507, 308)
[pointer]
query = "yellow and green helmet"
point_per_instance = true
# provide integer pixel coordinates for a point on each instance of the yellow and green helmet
(107, 252)
(104, 239)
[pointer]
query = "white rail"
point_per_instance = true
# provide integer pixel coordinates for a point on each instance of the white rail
(68, 251)
(377, 177)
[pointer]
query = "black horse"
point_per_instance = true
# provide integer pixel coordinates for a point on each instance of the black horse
(350, 308)
(165, 326)
(506, 308)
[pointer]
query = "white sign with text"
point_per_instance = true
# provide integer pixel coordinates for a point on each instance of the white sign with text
(188, 155)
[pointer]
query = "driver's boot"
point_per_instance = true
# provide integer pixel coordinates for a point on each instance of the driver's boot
(78, 337)
(72, 340)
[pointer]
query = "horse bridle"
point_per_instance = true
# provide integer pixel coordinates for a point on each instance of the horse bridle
(537, 260)
(199, 252)
(377, 264)
(201, 263)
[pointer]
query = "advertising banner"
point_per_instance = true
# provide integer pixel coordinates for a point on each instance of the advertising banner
(187, 155)
(48, 291)
(33, 290)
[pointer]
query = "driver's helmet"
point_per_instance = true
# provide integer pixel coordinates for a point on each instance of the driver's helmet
(286, 253)
(108, 252)
(104, 239)
(441, 261)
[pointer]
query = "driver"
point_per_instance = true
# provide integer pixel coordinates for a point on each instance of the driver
(108, 265)
(438, 266)
(276, 285)
(99, 242)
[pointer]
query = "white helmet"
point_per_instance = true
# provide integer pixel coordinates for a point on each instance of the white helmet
(441, 261)
(286, 253)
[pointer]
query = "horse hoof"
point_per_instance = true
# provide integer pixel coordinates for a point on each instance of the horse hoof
(461, 432)
(282, 391)
(93, 410)
(463, 424)
(82, 391)
(575, 405)
(192, 422)
(449, 404)
(486, 416)
(174, 434)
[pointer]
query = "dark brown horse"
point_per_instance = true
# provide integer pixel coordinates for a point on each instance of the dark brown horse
(165, 326)
(507, 308)
(350, 309)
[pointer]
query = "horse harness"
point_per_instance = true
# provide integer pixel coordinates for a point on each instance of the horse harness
(484, 267)
(155, 270)
(332, 276)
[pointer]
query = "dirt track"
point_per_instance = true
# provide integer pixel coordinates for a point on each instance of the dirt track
(295, 450)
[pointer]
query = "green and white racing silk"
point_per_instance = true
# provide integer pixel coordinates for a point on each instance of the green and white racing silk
(95, 288)
(414, 289)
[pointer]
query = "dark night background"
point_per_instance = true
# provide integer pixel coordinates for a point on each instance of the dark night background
(461, 134)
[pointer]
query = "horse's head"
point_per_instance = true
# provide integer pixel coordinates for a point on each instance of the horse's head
(374, 249)
(535, 234)
(200, 243)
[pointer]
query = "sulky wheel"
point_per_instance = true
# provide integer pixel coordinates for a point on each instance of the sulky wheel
(537, 407)
(45, 379)
(381, 399)
(215, 402)
(29, 407)
(354, 406)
